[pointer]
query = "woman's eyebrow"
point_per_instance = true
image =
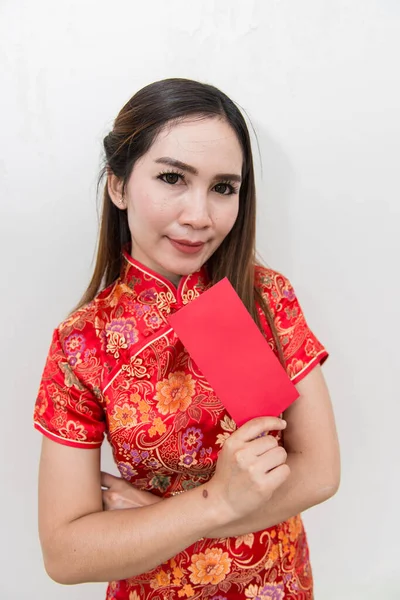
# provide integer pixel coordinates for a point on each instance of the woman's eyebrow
(172, 162)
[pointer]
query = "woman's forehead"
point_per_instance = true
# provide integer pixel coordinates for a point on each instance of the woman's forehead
(210, 140)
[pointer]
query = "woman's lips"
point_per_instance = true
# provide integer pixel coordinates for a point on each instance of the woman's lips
(187, 247)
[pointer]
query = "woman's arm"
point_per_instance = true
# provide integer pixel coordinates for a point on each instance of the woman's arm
(82, 543)
(311, 442)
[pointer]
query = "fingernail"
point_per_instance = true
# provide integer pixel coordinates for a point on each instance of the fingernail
(284, 423)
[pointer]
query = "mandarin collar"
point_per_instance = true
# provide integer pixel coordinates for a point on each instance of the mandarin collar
(153, 288)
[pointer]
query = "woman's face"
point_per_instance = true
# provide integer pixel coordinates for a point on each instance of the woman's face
(182, 197)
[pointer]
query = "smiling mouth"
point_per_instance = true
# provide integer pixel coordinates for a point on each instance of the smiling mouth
(186, 246)
(187, 243)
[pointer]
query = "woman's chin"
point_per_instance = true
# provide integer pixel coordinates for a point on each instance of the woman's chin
(177, 269)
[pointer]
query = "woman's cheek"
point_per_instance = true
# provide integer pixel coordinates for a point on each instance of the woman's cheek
(226, 219)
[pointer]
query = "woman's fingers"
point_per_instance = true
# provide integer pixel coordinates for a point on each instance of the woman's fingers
(270, 460)
(249, 452)
(261, 471)
(261, 445)
(278, 476)
(250, 466)
(108, 480)
(114, 501)
(267, 456)
(257, 427)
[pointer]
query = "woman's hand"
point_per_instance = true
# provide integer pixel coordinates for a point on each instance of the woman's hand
(121, 494)
(250, 467)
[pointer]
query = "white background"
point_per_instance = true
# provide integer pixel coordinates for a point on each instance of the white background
(320, 80)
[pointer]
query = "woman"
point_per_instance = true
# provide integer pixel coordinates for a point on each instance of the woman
(178, 215)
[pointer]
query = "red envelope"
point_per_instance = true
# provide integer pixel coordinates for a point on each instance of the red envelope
(234, 357)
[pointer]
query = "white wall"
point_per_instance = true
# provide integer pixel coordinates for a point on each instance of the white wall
(320, 80)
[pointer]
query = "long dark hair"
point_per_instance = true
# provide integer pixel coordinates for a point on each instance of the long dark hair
(133, 133)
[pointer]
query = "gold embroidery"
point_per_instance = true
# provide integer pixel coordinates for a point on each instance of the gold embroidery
(135, 368)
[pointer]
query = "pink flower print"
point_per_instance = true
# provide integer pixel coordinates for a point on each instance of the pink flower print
(191, 440)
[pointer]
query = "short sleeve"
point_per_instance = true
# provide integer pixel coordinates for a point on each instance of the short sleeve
(302, 351)
(66, 411)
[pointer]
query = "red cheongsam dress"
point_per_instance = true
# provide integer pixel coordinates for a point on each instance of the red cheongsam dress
(116, 367)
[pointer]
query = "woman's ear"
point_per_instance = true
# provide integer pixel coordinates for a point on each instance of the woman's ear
(115, 189)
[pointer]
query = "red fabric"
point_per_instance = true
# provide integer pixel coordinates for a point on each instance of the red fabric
(116, 367)
(301, 349)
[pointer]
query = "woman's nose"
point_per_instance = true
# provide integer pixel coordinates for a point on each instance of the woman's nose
(196, 211)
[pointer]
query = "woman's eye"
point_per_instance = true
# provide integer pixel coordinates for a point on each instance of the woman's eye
(223, 188)
(171, 178)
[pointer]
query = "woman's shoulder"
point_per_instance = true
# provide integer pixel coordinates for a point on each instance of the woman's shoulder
(301, 348)
(87, 318)
(274, 287)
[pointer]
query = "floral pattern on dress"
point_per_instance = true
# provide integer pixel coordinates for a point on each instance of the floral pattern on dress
(116, 368)
(174, 393)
